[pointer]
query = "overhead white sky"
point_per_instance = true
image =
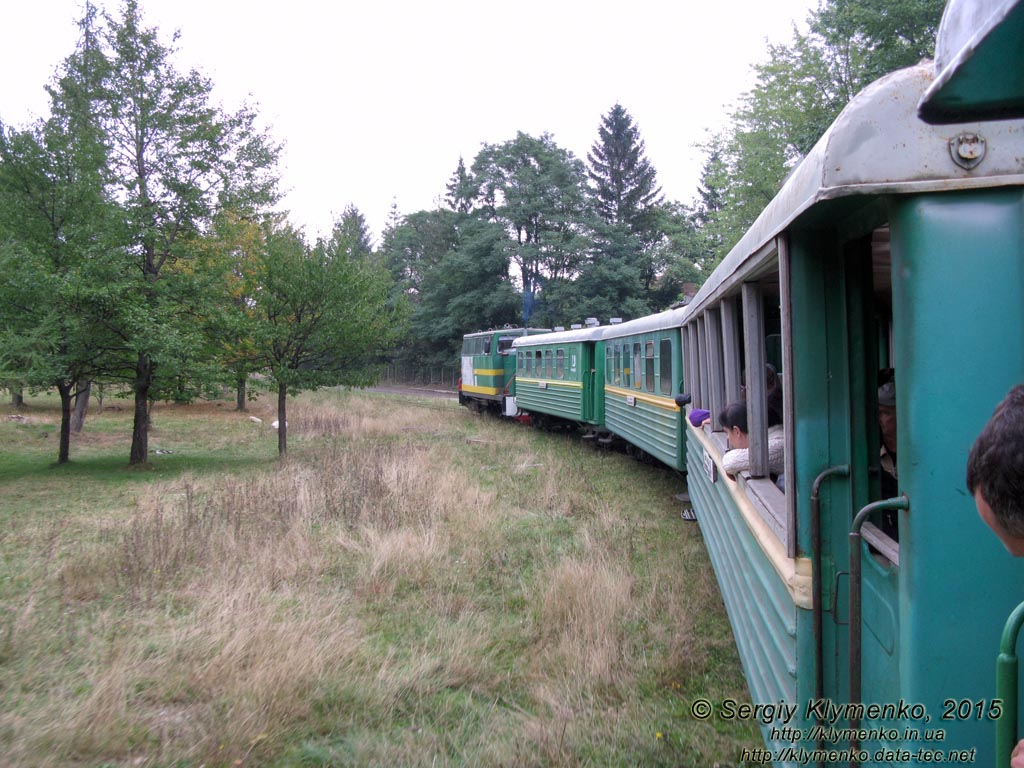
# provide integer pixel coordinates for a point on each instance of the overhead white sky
(375, 101)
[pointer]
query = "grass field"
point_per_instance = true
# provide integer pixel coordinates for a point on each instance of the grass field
(414, 586)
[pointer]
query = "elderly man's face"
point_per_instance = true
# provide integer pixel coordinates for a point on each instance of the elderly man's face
(887, 424)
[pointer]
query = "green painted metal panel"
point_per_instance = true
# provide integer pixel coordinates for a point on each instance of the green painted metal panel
(573, 396)
(958, 296)
(647, 417)
(654, 428)
(766, 624)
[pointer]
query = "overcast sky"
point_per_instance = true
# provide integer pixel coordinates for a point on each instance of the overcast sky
(375, 101)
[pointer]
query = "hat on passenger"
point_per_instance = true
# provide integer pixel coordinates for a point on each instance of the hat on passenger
(887, 394)
(697, 416)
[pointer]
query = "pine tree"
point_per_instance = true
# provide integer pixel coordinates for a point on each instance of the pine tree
(460, 190)
(625, 183)
(352, 232)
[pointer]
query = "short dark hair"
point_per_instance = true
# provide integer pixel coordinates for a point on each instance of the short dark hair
(995, 465)
(734, 415)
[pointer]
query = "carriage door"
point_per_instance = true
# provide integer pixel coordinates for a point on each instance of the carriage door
(872, 434)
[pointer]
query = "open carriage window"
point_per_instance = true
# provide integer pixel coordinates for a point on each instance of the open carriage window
(737, 355)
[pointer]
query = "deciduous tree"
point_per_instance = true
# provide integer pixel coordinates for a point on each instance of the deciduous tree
(536, 191)
(175, 160)
(57, 231)
(320, 316)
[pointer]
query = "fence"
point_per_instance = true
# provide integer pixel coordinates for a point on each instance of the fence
(441, 376)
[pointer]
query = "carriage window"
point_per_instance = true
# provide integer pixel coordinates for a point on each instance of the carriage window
(637, 366)
(539, 372)
(665, 367)
(549, 369)
(616, 365)
(487, 345)
(740, 341)
(627, 372)
(505, 344)
(560, 364)
(649, 366)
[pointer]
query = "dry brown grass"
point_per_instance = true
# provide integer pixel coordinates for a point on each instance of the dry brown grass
(582, 607)
(413, 587)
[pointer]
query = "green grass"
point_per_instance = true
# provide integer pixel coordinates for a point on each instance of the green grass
(414, 586)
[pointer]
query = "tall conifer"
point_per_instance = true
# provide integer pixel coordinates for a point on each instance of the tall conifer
(624, 182)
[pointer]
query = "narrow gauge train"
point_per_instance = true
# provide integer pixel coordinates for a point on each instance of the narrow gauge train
(487, 376)
(559, 378)
(868, 623)
(620, 380)
(894, 245)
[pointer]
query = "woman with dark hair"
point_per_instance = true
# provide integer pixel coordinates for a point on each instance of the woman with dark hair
(734, 419)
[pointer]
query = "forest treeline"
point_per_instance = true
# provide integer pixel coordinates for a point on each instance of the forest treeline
(530, 234)
(141, 242)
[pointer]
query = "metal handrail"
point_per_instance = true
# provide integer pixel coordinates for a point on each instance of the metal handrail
(1006, 686)
(899, 502)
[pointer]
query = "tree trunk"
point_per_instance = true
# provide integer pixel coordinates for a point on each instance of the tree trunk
(81, 406)
(240, 393)
(17, 397)
(64, 452)
(282, 424)
(140, 425)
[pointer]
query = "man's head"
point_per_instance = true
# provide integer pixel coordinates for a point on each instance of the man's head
(995, 471)
(887, 414)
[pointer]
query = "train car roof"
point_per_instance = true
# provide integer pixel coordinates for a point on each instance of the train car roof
(559, 337)
(878, 145)
(979, 63)
(506, 330)
(670, 318)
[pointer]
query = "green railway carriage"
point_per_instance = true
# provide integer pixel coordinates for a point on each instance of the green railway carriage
(560, 376)
(895, 245)
(979, 59)
(488, 368)
(643, 376)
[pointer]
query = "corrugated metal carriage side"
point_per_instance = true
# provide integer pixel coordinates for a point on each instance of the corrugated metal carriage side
(643, 376)
(557, 378)
(896, 249)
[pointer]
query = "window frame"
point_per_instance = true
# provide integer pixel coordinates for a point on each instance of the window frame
(727, 337)
(649, 366)
(666, 381)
